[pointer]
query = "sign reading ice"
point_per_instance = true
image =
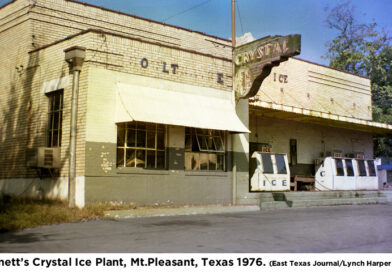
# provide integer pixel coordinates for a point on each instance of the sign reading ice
(253, 61)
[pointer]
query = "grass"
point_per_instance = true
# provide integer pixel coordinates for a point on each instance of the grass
(19, 213)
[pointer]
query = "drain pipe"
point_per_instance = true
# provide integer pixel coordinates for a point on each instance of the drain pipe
(74, 56)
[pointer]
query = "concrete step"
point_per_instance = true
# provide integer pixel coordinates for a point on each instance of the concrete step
(322, 202)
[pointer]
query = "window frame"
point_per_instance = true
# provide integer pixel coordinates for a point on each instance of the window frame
(52, 112)
(201, 145)
(136, 148)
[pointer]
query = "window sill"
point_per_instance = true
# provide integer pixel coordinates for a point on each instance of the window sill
(141, 171)
(206, 173)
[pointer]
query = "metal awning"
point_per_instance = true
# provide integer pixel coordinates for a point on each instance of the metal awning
(206, 109)
(273, 110)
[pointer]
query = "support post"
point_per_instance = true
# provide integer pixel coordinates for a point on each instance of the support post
(234, 170)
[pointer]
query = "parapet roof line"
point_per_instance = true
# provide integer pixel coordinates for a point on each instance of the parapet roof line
(99, 31)
(322, 65)
(6, 4)
(137, 17)
(146, 19)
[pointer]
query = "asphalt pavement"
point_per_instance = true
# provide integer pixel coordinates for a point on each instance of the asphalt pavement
(350, 229)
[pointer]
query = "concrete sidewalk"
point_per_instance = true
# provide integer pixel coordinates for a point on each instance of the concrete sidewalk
(185, 210)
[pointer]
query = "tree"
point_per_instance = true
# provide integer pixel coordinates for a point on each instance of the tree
(363, 50)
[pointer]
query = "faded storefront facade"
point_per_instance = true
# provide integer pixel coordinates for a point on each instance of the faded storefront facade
(157, 122)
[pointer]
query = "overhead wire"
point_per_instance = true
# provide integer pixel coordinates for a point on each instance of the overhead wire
(239, 15)
(186, 10)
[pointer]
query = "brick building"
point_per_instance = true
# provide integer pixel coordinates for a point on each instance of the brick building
(156, 119)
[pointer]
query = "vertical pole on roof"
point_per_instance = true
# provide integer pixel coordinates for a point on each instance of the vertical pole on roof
(234, 171)
(75, 57)
(233, 23)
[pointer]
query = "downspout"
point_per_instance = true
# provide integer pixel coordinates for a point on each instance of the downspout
(74, 56)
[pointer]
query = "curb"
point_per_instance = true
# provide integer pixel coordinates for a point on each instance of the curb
(179, 211)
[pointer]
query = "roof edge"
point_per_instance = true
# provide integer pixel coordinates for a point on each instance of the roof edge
(322, 65)
(99, 31)
(146, 19)
(6, 4)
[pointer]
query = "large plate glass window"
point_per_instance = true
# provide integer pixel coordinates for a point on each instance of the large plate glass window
(141, 145)
(204, 149)
(55, 118)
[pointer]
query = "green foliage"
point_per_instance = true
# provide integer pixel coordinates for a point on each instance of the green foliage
(363, 50)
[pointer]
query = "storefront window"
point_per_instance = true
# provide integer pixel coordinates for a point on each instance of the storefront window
(141, 145)
(349, 167)
(372, 170)
(55, 115)
(204, 149)
(267, 163)
(339, 167)
(361, 168)
(280, 163)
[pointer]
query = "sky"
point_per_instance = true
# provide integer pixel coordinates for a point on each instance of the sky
(260, 17)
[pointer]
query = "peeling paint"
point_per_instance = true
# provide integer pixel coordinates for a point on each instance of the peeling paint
(106, 165)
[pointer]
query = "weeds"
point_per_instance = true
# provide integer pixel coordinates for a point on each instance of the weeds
(20, 213)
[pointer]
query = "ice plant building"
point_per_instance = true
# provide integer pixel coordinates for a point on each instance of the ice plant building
(99, 105)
